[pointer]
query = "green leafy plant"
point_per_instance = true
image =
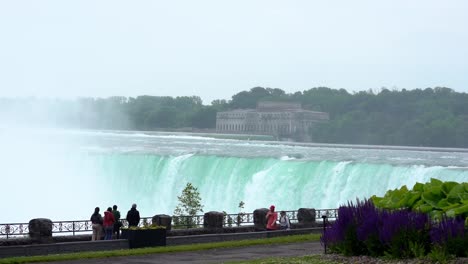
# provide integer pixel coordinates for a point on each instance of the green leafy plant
(435, 198)
(418, 250)
(188, 207)
(438, 255)
(227, 219)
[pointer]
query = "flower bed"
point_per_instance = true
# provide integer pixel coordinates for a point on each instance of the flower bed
(363, 229)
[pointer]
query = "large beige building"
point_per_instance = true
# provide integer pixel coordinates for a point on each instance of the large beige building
(284, 120)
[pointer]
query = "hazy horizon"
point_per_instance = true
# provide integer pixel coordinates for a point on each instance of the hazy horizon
(213, 49)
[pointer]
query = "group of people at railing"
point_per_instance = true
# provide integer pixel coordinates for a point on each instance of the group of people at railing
(272, 218)
(279, 221)
(111, 222)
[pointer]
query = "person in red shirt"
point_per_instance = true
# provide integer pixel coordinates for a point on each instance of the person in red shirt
(271, 217)
(108, 224)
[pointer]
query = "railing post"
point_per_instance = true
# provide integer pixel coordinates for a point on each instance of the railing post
(324, 217)
(73, 227)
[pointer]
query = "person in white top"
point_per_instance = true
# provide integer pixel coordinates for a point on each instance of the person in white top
(284, 221)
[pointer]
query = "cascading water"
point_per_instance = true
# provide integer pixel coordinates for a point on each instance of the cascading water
(63, 175)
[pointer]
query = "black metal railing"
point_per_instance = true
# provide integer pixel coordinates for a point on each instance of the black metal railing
(83, 226)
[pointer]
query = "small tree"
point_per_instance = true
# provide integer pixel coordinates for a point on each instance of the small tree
(189, 205)
(241, 213)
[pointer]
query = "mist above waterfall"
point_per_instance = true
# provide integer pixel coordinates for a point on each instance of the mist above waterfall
(77, 113)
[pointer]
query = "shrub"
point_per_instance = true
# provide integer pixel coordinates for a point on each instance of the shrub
(362, 229)
(343, 237)
(449, 236)
(436, 198)
(401, 231)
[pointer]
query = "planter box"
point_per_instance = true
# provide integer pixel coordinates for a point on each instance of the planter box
(145, 237)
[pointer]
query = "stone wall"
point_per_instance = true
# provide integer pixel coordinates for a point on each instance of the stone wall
(101, 245)
(59, 248)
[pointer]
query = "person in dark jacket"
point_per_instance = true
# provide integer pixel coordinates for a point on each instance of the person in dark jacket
(96, 221)
(133, 216)
(117, 223)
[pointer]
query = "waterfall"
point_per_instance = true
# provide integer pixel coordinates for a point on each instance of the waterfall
(154, 182)
(63, 175)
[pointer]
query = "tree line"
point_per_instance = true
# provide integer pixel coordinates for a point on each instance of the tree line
(435, 117)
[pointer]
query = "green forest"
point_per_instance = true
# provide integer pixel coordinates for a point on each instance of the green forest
(436, 117)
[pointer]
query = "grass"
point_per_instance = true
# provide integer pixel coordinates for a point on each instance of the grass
(167, 249)
(312, 259)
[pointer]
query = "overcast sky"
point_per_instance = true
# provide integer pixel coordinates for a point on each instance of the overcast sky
(215, 49)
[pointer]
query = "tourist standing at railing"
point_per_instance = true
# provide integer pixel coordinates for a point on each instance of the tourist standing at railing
(271, 217)
(117, 223)
(133, 216)
(96, 222)
(109, 221)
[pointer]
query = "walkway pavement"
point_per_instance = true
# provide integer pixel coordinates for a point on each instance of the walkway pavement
(215, 255)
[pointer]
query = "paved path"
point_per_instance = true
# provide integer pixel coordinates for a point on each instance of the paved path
(215, 255)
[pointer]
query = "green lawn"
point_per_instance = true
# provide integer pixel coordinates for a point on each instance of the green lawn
(167, 249)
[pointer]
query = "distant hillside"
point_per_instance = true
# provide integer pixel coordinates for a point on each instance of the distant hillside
(435, 117)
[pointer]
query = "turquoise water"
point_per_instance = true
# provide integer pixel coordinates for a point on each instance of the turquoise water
(63, 175)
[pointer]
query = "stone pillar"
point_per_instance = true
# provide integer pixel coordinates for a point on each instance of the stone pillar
(40, 230)
(213, 219)
(163, 220)
(260, 220)
(306, 216)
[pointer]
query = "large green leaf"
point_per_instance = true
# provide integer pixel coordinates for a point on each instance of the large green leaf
(392, 198)
(413, 197)
(443, 203)
(437, 190)
(451, 206)
(376, 200)
(461, 210)
(463, 196)
(447, 187)
(436, 182)
(455, 193)
(424, 208)
(431, 198)
(418, 187)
